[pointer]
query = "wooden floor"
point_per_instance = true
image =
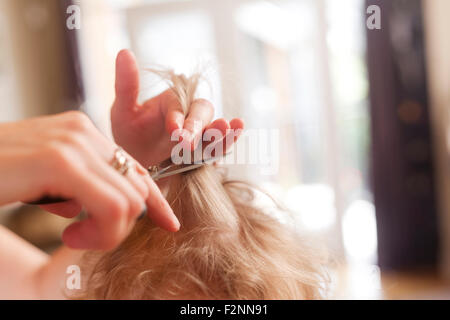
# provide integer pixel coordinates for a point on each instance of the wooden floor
(367, 282)
(419, 285)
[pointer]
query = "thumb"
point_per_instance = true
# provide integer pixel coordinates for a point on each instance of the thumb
(127, 80)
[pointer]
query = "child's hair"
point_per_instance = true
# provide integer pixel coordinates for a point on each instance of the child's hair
(227, 247)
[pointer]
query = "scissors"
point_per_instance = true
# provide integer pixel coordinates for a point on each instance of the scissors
(167, 168)
(164, 170)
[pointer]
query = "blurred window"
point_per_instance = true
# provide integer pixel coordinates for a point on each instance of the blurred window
(182, 40)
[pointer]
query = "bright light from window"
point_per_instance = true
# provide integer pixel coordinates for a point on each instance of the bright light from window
(360, 232)
(187, 49)
(272, 24)
(364, 282)
(263, 99)
(314, 204)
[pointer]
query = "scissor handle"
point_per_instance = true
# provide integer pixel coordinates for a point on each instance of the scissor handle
(54, 200)
(48, 200)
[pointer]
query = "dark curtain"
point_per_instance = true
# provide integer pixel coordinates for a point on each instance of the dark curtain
(402, 164)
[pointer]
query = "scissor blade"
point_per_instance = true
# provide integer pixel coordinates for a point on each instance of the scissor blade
(158, 176)
(174, 169)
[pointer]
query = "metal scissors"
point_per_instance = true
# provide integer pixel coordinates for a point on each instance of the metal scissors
(165, 169)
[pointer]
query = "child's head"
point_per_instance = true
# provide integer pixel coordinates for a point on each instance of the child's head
(227, 248)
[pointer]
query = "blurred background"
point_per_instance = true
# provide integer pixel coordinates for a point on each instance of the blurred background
(361, 115)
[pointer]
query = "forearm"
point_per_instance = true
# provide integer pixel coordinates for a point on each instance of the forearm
(19, 260)
(50, 280)
(28, 273)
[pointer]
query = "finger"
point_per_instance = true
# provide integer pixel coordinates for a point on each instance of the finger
(87, 235)
(100, 145)
(237, 125)
(236, 128)
(214, 135)
(103, 230)
(157, 206)
(220, 124)
(230, 134)
(129, 185)
(171, 108)
(68, 209)
(137, 180)
(159, 210)
(96, 152)
(200, 115)
(127, 81)
(108, 210)
(144, 174)
(168, 105)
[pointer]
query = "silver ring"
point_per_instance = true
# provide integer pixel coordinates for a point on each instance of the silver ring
(120, 161)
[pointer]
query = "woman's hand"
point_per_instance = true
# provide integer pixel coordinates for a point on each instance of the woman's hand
(66, 156)
(145, 130)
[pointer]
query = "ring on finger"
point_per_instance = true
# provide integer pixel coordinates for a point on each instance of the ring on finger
(120, 161)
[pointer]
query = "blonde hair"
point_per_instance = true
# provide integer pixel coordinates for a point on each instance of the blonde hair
(227, 247)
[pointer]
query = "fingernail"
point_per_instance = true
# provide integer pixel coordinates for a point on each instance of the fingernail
(179, 123)
(140, 170)
(176, 224)
(174, 219)
(143, 213)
